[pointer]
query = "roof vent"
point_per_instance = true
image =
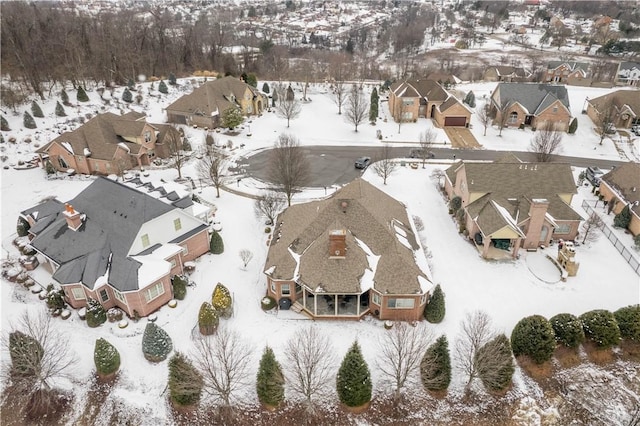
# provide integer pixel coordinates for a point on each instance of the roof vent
(344, 206)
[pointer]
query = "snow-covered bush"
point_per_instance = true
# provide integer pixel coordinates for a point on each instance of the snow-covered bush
(208, 319)
(533, 336)
(221, 301)
(567, 329)
(156, 343)
(628, 319)
(28, 121)
(268, 303)
(601, 327)
(55, 299)
(106, 358)
(22, 228)
(96, 314)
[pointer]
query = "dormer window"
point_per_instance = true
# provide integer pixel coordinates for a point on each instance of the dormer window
(145, 240)
(147, 136)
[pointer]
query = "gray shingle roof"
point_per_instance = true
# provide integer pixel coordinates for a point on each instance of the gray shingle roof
(427, 89)
(532, 96)
(625, 179)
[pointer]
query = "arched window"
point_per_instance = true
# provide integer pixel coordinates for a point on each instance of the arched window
(513, 117)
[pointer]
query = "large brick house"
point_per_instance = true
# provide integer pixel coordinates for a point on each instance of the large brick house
(510, 204)
(110, 144)
(353, 254)
(531, 104)
(628, 74)
(410, 100)
(622, 106)
(566, 72)
(506, 73)
(204, 106)
(621, 187)
(116, 245)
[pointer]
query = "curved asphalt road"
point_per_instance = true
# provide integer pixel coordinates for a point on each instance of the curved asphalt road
(333, 165)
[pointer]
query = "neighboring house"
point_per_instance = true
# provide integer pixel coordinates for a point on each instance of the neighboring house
(507, 74)
(110, 144)
(621, 187)
(344, 257)
(204, 106)
(531, 104)
(566, 72)
(628, 74)
(410, 100)
(116, 245)
(510, 204)
(622, 106)
(445, 79)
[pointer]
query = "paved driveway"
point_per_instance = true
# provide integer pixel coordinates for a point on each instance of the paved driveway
(461, 137)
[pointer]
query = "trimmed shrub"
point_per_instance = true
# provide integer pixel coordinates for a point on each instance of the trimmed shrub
(601, 327)
(533, 336)
(185, 382)
(172, 79)
(4, 124)
(96, 314)
(231, 117)
(28, 121)
(55, 300)
(270, 380)
(36, 110)
(156, 343)
(48, 167)
(127, 96)
(623, 219)
(64, 97)
(106, 358)
(353, 381)
(81, 96)
(628, 319)
(26, 354)
(435, 309)
(162, 87)
(435, 368)
(496, 369)
(221, 301)
(265, 88)
(60, 110)
(208, 319)
(216, 245)
(22, 227)
(567, 329)
(455, 204)
(179, 287)
(573, 126)
(268, 303)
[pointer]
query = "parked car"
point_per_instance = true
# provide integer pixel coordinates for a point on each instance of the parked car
(421, 153)
(593, 175)
(363, 162)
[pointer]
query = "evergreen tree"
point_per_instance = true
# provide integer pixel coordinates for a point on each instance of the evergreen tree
(156, 343)
(435, 309)
(435, 368)
(251, 80)
(573, 126)
(353, 381)
(270, 380)
(172, 79)
(106, 358)
(496, 374)
(26, 354)
(628, 319)
(185, 381)
(96, 314)
(373, 106)
(36, 110)
(567, 329)
(55, 299)
(28, 121)
(65, 97)
(216, 245)
(179, 287)
(162, 87)
(455, 204)
(265, 87)
(81, 96)
(127, 96)
(48, 167)
(623, 219)
(533, 336)
(231, 117)
(22, 227)
(208, 319)
(221, 301)
(4, 125)
(60, 110)
(470, 99)
(130, 84)
(601, 327)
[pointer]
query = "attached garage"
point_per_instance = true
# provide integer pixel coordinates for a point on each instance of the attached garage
(455, 121)
(452, 113)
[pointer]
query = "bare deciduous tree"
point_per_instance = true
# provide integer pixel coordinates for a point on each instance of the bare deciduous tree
(212, 168)
(339, 95)
(401, 350)
(288, 107)
(427, 138)
(546, 142)
(269, 205)
(357, 107)
(289, 167)
(590, 228)
(484, 117)
(476, 331)
(311, 368)
(223, 361)
(503, 117)
(384, 165)
(174, 142)
(245, 256)
(604, 122)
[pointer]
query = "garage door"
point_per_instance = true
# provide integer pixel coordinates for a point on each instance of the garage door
(455, 121)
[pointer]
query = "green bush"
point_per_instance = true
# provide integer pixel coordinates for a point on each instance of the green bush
(4, 125)
(231, 117)
(185, 382)
(179, 287)
(28, 121)
(221, 301)
(623, 219)
(216, 245)
(435, 309)
(270, 380)
(127, 96)
(55, 300)
(435, 368)
(455, 204)
(60, 110)
(172, 79)
(353, 381)
(265, 88)
(106, 358)
(601, 327)
(573, 126)
(567, 329)
(162, 87)
(22, 228)
(268, 303)
(208, 319)
(36, 110)
(628, 319)
(96, 314)
(156, 343)
(496, 372)
(64, 97)
(534, 337)
(81, 96)
(636, 241)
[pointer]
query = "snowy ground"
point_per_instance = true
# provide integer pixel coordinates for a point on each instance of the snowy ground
(508, 291)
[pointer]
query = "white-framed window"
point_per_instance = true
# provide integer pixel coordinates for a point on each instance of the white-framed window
(173, 263)
(119, 296)
(407, 115)
(405, 303)
(147, 136)
(154, 291)
(273, 286)
(555, 109)
(177, 225)
(563, 228)
(376, 298)
(96, 166)
(78, 293)
(145, 240)
(513, 117)
(407, 102)
(104, 296)
(285, 289)
(62, 163)
(185, 250)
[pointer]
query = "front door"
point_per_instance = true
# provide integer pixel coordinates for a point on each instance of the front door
(527, 120)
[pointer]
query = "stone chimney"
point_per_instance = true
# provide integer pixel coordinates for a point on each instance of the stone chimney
(338, 243)
(74, 219)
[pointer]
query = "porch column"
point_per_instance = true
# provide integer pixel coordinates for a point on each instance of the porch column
(516, 247)
(358, 306)
(485, 246)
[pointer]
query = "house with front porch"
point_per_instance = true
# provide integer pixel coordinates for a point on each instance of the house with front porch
(621, 108)
(510, 204)
(116, 245)
(353, 254)
(621, 187)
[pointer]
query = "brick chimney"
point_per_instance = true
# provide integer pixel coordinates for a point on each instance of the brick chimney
(338, 243)
(74, 219)
(537, 213)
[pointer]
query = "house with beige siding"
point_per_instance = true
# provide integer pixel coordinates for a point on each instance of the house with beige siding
(353, 254)
(565, 72)
(510, 204)
(622, 107)
(506, 73)
(116, 245)
(621, 187)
